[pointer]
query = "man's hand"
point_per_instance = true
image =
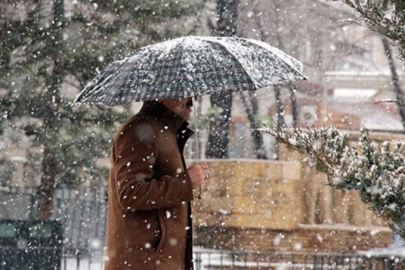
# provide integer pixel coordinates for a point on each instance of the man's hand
(198, 174)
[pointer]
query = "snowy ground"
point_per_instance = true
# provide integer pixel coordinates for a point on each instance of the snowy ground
(213, 259)
(397, 250)
(203, 259)
(203, 262)
(85, 264)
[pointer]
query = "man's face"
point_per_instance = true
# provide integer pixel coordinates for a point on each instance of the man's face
(181, 107)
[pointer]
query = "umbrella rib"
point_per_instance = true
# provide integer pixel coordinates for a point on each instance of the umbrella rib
(76, 101)
(235, 59)
(276, 52)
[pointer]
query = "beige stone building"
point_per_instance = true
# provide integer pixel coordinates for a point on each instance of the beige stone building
(283, 206)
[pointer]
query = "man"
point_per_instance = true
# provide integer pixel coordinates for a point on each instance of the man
(149, 215)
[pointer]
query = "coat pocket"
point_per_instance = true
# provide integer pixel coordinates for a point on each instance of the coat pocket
(163, 232)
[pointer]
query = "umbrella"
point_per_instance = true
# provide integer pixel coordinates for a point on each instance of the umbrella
(191, 66)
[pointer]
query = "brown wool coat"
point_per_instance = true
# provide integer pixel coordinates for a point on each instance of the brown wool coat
(149, 212)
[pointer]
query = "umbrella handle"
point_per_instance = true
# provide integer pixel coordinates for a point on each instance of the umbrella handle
(199, 194)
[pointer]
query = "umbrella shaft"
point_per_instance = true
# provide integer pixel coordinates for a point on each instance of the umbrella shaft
(196, 133)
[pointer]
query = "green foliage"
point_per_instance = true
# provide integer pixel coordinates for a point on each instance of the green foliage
(48, 53)
(203, 121)
(7, 171)
(386, 17)
(377, 172)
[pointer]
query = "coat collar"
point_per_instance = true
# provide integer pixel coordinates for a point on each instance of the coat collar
(157, 109)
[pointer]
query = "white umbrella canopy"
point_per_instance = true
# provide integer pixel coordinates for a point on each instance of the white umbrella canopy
(191, 66)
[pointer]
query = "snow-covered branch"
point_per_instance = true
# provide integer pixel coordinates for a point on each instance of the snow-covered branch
(376, 171)
(385, 17)
(398, 102)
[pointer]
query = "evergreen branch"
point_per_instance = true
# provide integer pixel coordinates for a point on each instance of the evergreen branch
(384, 17)
(376, 172)
(398, 102)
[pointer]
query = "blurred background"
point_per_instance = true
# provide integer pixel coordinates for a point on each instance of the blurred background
(54, 157)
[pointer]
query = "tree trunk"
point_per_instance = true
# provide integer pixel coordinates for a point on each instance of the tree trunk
(264, 34)
(280, 116)
(280, 110)
(218, 138)
(45, 190)
(252, 113)
(394, 79)
(293, 101)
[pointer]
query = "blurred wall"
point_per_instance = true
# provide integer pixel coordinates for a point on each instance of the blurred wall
(282, 206)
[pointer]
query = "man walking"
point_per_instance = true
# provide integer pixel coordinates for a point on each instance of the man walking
(149, 217)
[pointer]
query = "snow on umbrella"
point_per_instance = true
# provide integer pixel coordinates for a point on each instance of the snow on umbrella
(191, 66)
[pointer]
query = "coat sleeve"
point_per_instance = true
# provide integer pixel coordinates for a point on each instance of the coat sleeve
(135, 154)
